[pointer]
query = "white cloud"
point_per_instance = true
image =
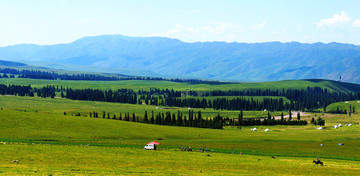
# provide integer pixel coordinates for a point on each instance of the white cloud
(259, 26)
(337, 19)
(210, 31)
(356, 23)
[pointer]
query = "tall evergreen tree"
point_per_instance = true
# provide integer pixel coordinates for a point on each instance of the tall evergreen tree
(179, 120)
(290, 115)
(146, 117)
(173, 120)
(313, 121)
(152, 120)
(298, 116)
(320, 121)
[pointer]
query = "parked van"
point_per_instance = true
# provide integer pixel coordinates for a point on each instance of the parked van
(150, 147)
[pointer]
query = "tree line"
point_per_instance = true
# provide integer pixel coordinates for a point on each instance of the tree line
(37, 74)
(309, 99)
(165, 118)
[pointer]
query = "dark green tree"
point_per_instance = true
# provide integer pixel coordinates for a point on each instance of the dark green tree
(290, 115)
(320, 121)
(298, 116)
(313, 121)
(146, 117)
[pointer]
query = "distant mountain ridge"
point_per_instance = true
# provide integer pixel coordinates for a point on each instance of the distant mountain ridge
(159, 56)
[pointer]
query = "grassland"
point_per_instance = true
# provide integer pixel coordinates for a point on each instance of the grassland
(51, 143)
(71, 107)
(36, 132)
(146, 85)
(344, 105)
(81, 160)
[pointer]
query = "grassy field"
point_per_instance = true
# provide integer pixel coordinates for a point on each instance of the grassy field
(47, 123)
(55, 144)
(81, 160)
(146, 85)
(36, 132)
(72, 107)
(344, 105)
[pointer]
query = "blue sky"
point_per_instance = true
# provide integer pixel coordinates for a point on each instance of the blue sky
(63, 21)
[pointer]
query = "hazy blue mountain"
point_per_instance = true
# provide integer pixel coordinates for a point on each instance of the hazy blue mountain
(11, 64)
(157, 56)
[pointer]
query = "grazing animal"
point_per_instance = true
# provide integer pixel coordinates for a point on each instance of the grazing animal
(318, 162)
(273, 157)
(16, 161)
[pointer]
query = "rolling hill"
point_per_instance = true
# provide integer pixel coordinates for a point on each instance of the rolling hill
(157, 56)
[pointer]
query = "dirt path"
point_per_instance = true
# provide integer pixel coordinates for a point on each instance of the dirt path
(293, 115)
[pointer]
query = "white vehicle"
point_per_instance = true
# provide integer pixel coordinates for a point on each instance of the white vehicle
(150, 147)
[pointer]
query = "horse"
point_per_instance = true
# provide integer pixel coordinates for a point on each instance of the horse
(318, 162)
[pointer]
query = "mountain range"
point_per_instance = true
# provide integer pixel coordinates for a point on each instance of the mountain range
(159, 56)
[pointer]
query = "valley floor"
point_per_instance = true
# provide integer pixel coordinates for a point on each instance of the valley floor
(36, 138)
(40, 159)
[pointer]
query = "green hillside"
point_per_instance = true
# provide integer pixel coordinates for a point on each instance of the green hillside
(345, 105)
(47, 137)
(58, 106)
(146, 85)
(36, 132)
(21, 123)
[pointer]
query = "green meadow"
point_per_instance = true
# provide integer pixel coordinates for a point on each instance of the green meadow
(146, 85)
(73, 107)
(45, 141)
(42, 159)
(345, 105)
(37, 133)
